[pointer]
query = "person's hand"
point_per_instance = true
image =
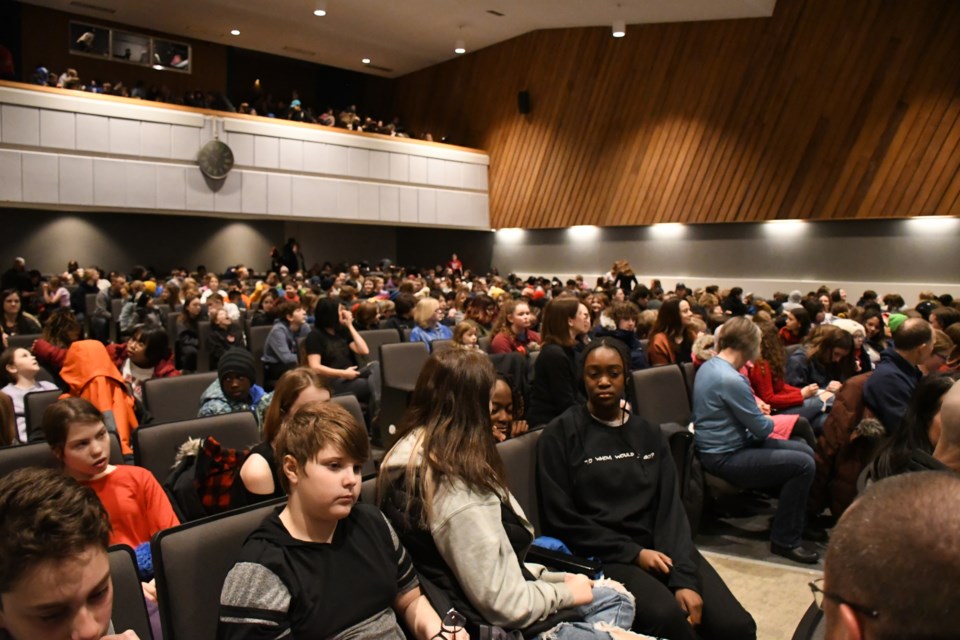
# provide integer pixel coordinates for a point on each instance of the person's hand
(518, 427)
(809, 391)
(581, 587)
(149, 590)
(834, 386)
(825, 396)
(652, 560)
(764, 407)
(346, 316)
(129, 634)
(691, 602)
(350, 373)
(499, 433)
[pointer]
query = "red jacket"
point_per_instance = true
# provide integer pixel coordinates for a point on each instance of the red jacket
(49, 354)
(164, 369)
(779, 395)
(789, 338)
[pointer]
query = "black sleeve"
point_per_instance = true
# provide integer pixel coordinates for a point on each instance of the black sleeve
(314, 343)
(558, 376)
(561, 516)
(672, 531)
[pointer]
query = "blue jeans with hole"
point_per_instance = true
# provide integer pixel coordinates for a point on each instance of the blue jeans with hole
(609, 606)
(787, 464)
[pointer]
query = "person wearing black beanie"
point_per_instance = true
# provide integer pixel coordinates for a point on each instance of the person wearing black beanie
(235, 388)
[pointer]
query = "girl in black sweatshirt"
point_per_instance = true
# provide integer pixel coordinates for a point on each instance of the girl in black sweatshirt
(608, 489)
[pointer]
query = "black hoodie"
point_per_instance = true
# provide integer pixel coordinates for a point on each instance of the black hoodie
(610, 492)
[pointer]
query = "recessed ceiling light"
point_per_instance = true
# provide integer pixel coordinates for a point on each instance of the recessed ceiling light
(319, 13)
(365, 61)
(460, 47)
(619, 29)
(234, 32)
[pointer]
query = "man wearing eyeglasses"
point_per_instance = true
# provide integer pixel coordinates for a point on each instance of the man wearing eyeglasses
(893, 565)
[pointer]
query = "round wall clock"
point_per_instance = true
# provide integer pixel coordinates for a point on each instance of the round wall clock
(215, 160)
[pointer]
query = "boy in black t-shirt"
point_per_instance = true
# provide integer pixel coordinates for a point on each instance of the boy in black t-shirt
(323, 566)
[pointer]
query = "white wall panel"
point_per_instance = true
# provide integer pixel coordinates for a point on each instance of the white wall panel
(379, 165)
(58, 129)
(93, 133)
(171, 187)
(185, 143)
(242, 146)
(358, 163)
(141, 178)
(453, 174)
(399, 167)
(427, 200)
(314, 157)
(266, 152)
(368, 202)
(124, 137)
(228, 198)
(305, 195)
(11, 176)
(390, 204)
(409, 205)
(336, 159)
(109, 187)
(327, 198)
(291, 155)
(474, 176)
(155, 140)
(436, 172)
(347, 200)
(199, 195)
(278, 194)
(76, 180)
(254, 192)
(418, 170)
(20, 125)
(41, 177)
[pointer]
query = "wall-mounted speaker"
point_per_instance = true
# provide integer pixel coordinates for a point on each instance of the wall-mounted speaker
(523, 102)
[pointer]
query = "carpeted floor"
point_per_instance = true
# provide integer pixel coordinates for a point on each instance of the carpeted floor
(775, 595)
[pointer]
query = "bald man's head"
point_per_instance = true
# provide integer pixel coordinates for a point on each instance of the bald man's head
(897, 551)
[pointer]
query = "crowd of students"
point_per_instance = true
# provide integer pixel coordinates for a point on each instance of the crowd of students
(260, 103)
(446, 552)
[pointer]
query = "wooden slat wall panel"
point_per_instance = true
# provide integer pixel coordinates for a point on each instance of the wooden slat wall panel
(826, 110)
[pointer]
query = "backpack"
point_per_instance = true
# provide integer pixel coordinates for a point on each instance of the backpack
(205, 480)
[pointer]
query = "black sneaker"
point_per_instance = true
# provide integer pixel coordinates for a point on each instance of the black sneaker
(797, 553)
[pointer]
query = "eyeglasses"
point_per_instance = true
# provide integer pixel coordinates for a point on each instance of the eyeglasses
(452, 624)
(819, 594)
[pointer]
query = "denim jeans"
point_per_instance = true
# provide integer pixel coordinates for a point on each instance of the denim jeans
(787, 464)
(612, 607)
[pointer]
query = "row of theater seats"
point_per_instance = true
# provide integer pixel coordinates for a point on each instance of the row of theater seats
(192, 560)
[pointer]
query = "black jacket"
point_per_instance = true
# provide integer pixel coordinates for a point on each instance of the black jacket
(555, 388)
(611, 492)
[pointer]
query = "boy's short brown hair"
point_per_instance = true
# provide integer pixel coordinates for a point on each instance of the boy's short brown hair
(314, 426)
(45, 515)
(59, 415)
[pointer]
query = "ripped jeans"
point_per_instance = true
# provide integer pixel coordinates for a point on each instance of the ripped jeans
(612, 609)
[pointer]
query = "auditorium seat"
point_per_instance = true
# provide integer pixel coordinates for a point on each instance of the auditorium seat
(129, 609)
(689, 372)
(812, 625)
(400, 366)
(661, 395)
(441, 345)
(375, 338)
(519, 457)
(352, 405)
(368, 491)
(155, 446)
(484, 343)
(258, 339)
(203, 357)
(34, 404)
(23, 341)
(38, 454)
(191, 562)
(176, 398)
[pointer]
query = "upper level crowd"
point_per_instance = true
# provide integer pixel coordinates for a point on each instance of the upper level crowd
(809, 396)
(259, 103)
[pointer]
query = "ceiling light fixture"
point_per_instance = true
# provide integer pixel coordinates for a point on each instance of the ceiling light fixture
(619, 28)
(365, 61)
(235, 32)
(460, 47)
(321, 9)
